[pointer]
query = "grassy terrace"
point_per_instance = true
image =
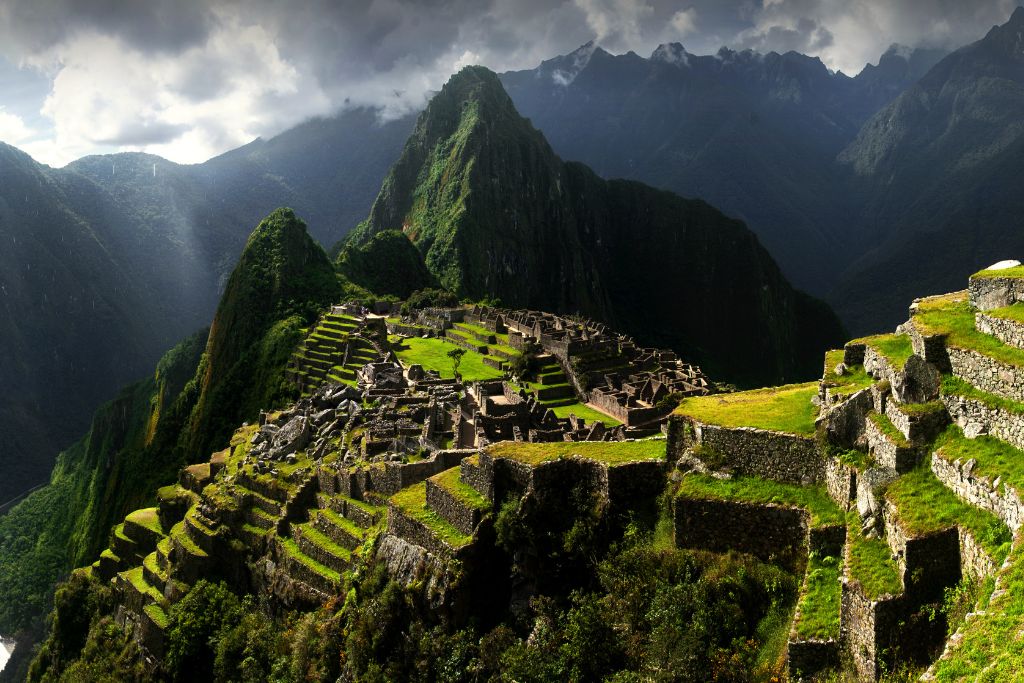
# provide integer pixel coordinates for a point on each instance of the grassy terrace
(896, 348)
(814, 499)
(157, 614)
(870, 562)
(412, 501)
(994, 458)
(954, 386)
(585, 412)
(1016, 272)
(293, 551)
(850, 382)
(608, 452)
(138, 581)
(178, 534)
(1014, 312)
(818, 610)
(147, 518)
(449, 480)
(781, 409)
(926, 506)
(886, 426)
(432, 354)
(991, 648)
(951, 315)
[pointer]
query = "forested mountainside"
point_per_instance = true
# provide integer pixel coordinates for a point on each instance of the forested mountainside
(495, 213)
(130, 252)
(198, 393)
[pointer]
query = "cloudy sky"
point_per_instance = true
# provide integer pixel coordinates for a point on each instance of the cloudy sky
(188, 79)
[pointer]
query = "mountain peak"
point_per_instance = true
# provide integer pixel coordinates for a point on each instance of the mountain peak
(671, 53)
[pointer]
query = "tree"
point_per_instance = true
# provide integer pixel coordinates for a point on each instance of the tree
(456, 356)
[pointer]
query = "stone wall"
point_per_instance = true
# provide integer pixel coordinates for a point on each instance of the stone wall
(988, 374)
(975, 562)
(809, 657)
(995, 421)
(770, 532)
(918, 427)
(840, 482)
(752, 452)
(995, 496)
(844, 420)
(461, 516)
(986, 293)
(635, 481)
(928, 563)
(867, 629)
(1009, 332)
(930, 347)
(887, 452)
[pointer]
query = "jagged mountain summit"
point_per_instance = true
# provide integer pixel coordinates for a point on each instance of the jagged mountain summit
(495, 213)
(755, 135)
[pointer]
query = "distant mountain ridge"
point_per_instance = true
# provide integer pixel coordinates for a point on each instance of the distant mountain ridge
(755, 135)
(496, 213)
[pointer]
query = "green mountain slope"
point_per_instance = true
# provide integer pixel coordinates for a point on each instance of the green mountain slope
(495, 212)
(138, 442)
(939, 171)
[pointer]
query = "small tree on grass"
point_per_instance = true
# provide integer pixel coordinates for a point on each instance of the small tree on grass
(456, 356)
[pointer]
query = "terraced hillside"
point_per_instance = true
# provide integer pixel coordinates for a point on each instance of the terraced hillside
(334, 351)
(916, 466)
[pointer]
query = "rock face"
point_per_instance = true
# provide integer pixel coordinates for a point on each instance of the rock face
(495, 213)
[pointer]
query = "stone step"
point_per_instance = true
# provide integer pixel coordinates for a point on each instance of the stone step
(977, 412)
(342, 531)
(123, 547)
(360, 513)
(154, 575)
(456, 502)
(888, 445)
(108, 565)
(258, 517)
(555, 392)
(199, 532)
(309, 571)
(313, 543)
(919, 423)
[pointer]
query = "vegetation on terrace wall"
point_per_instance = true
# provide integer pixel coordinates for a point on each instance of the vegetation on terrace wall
(641, 611)
(139, 441)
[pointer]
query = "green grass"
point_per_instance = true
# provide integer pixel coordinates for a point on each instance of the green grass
(917, 409)
(412, 501)
(324, 542)
(781, 409)
(991, 648)
(585, 412)
(147, 518)
(1015, 272)
(887, 428)
(344, 523)
(608, 452)
(994, 458)
(870, 562)
(1014, 312)
(822, 509)
(951, 315)
(432, 354)
(954, 386)
(478, 329)
(896, 348)
(818, 611)
(178, 534)
(926, 506)
(158, 615)
(138, 581)
(149, 562)
(852, 381)
(449, 480)
(293, 551)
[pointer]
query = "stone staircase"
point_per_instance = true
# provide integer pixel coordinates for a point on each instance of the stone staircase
(333, 352)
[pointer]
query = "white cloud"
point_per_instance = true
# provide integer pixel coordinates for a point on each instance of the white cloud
(13, 130)
(684, 22)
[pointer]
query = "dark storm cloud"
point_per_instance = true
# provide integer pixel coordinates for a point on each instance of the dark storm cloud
(227, 70)
(148, 25)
